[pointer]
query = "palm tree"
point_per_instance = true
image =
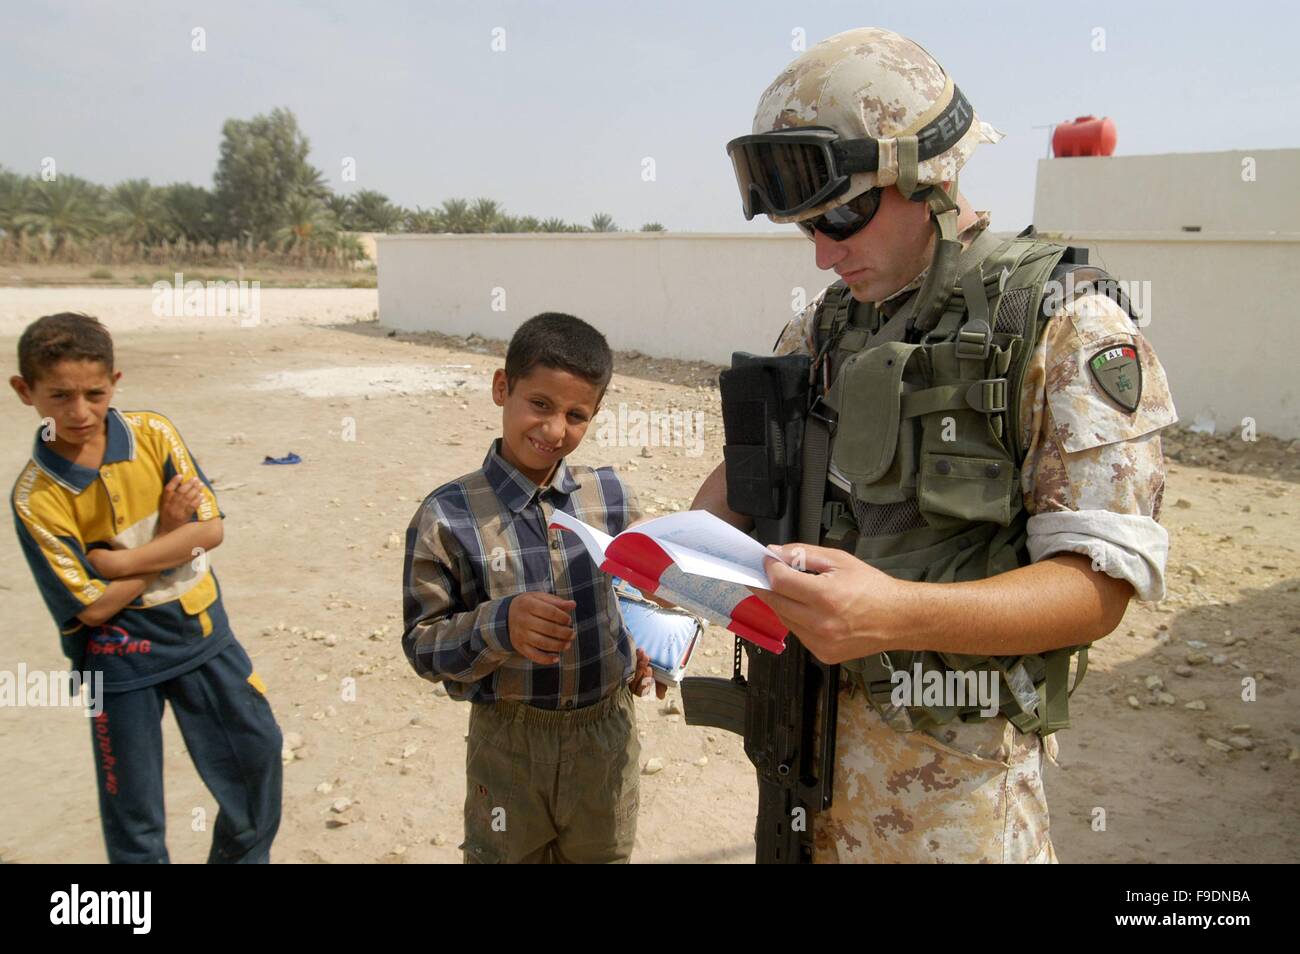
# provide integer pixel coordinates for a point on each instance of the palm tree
(372, 212)
(455, 215)
(304, 224)
(13, 201)
(600, 222)
(653, 227)
(137, 214)
(347, 246)
(389, 218)
(310, 180)
(341, 206)
(484, 214)
(425, 220)
(553, 224)
(67, 210)
(528, 223)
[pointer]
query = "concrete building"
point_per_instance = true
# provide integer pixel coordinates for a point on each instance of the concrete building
(1209, 240)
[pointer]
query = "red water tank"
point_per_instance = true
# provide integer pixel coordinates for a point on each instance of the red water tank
(1085, 136)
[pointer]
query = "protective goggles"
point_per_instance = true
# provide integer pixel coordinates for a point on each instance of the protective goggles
(789, 171)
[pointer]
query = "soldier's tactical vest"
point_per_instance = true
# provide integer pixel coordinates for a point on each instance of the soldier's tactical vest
(923, 472)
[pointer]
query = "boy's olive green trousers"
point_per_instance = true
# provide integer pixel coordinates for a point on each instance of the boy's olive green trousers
(552, 786)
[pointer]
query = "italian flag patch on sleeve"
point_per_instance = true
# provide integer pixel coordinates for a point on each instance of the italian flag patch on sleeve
(1118, 372)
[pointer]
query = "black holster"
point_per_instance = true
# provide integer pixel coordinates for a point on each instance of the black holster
(764, 399)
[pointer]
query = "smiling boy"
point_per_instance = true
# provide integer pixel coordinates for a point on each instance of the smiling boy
(116, 519)
(519, 621)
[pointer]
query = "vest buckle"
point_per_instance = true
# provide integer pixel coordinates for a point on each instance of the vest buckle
(832, 510)
(988, 396)
(974, 340)
(820, 410)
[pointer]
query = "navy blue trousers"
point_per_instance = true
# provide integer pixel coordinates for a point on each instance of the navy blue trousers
(235, 743)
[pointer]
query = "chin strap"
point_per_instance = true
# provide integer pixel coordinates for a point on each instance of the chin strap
(932, 298)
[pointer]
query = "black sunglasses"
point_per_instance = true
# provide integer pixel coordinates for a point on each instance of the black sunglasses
(847, 219)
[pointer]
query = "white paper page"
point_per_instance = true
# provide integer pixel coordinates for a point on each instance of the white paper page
(593, 539)
(706, 564)
(714, 542)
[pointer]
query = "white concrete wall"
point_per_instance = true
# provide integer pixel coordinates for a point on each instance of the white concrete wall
(1242, 193)
(693, 296)
(1222, 315)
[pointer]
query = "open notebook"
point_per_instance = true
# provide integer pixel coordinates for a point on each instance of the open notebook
(694, 560)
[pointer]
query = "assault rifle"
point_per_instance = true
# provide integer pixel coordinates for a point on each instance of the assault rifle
(785, 704)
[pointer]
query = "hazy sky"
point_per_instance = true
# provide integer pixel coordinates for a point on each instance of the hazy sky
(559, 122)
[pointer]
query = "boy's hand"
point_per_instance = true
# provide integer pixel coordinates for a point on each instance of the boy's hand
(540, 626)
(644, 677)
(180, 501)
(107, 563)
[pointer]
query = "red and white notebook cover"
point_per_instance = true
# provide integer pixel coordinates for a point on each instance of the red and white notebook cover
(695, 560)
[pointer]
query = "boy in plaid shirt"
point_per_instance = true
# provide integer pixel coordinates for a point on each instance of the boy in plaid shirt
(518, 620)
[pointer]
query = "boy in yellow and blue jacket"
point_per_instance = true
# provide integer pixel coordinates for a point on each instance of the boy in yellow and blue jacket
(116, 519)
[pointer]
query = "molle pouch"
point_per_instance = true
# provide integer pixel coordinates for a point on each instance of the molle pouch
(966, 488)
(764, 398)
(871, 450)
(966, 473)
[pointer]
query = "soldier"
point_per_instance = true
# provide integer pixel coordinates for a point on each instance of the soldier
(986, 473)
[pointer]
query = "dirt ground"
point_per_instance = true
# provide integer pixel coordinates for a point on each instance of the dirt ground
(1184, 769)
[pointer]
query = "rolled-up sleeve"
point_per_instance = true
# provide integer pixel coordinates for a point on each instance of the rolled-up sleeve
(448, 635)
(1094, 471)
(1126, 546)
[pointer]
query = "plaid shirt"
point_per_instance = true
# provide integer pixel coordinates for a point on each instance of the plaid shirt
(475, 544)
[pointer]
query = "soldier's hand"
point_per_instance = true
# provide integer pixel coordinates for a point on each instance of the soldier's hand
(540, 626)
(839, 608)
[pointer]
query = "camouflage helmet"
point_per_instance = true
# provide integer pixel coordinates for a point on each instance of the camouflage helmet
(871, 83)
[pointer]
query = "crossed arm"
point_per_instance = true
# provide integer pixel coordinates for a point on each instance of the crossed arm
(131, 571)
(843, 608)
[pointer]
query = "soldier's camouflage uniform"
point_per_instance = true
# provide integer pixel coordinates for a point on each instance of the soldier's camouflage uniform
(1092, 481)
